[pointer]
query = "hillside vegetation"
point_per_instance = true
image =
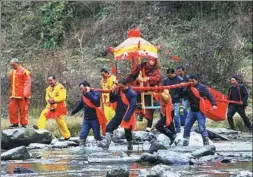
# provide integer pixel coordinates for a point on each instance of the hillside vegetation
(70, 40)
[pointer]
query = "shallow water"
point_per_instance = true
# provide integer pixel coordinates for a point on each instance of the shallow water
(74, 162)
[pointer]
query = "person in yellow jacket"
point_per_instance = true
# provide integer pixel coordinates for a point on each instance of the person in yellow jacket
(107, 82)
(55, 108)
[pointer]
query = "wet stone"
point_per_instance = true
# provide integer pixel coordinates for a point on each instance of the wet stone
(23, 137)
(118, 172)
(158, 171)
(21, 170)
(18, 153)
(204, 151)
(172, 158)
(147, 157)
(155, 146)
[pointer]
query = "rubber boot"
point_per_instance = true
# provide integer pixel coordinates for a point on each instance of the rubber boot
(205, 140)
(231, 123)
(130, 145)
(108, 138)
(82, 142)
(186, 142)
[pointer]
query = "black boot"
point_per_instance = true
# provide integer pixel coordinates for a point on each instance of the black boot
(231, 123)
(172, 140)
(108, 138)
(205, 140)
(170, 135)
(14, 126)
(186, 142)
(130, 145)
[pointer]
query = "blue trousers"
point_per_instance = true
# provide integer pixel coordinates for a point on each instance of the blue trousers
(168, 131)
(177, 117)
(90, 124)
(114, 124)
(190, 120)
(185, 110)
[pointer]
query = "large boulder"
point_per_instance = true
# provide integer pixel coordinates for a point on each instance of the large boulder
(18, 153)
(23, 137)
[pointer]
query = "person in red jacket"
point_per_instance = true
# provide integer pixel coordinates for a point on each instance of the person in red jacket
(148, 74)
(20, 92)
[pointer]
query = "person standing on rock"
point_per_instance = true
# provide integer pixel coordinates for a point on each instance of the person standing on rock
(20, 92)
(238, 92)
(56, 107)
(166, 125)
(176, 94)
(125, 98)
(93, 114)
(107, 82)
(195, 92)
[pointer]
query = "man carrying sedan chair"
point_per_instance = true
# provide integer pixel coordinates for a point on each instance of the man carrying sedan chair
(124, 113)
(195, 93)
(93, 114)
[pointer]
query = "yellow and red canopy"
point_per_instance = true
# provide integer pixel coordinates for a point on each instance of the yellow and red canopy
(135, 47)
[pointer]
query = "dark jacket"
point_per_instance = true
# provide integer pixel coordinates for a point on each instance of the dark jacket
(185, 78)
(175, 93)
(194, 101)
(238, 93)
(121, 107)
(89, 113)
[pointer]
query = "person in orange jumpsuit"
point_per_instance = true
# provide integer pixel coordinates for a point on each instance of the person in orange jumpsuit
(150, 76)
(107, 82)
(20, 92)
(56, 107)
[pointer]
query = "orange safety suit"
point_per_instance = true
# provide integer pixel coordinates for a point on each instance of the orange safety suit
(20, 92)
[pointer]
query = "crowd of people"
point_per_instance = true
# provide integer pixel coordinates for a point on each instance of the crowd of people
(108, 111)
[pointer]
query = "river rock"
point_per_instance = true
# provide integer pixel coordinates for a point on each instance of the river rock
(18, 153)
(147, 157)
(204, 151)
(209, 158)
(118, 172)
(195, 140)
(229, 133)
(119, 134)
(163, 139)
(24, 136)
(172, 158)
(22, 170)
(63, 144)
(213, 135)
(141, 136)
(243, 174)
(155, 146)
(158, 171)
(37, 146)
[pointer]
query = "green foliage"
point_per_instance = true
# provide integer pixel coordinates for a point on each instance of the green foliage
(54, 16)
(106, 12)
